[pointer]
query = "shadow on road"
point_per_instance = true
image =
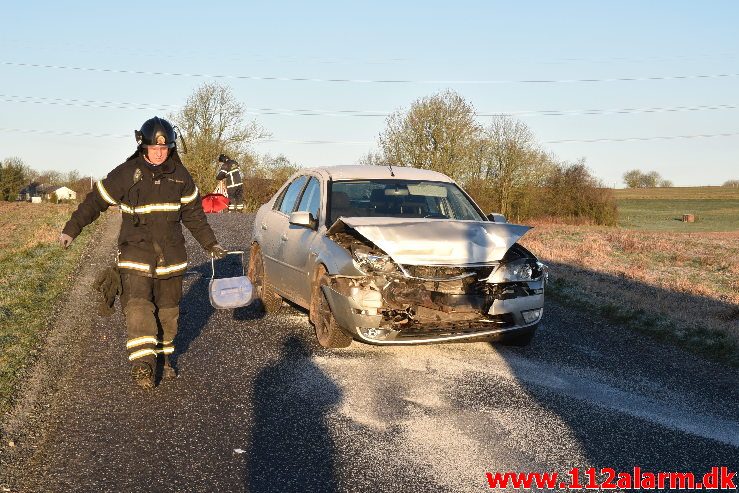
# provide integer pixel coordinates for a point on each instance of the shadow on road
(291, 449)
(195, 307)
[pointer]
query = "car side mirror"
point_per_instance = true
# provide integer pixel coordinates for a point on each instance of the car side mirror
(303, 218)
(497, 218)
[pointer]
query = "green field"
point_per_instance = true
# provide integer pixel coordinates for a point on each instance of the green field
(661, 209)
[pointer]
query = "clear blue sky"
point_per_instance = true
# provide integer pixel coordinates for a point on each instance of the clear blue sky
(483, 50)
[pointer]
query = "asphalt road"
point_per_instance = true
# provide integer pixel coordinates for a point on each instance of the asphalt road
(259, 407)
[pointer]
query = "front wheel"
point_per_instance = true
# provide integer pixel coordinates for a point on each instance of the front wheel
(263, 292)
(328, 332)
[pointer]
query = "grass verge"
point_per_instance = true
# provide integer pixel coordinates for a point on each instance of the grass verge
(34, 273)
(700, 339)
(677, 287)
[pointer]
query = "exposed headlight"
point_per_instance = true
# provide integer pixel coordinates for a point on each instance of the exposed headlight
(373, 262)
(531, 316)
(518, 270)
(373, 333)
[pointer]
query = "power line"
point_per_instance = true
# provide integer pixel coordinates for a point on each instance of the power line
(85, 103)
(635, 139)
(362, 81)
(349, 142)
(245, 56)
(621, 111)
(8, 98)
(70, 133)
(318, 142)
(63, 133)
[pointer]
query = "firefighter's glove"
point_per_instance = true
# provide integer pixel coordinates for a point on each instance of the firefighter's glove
(108, 284)
(65, 240)
(217, 251)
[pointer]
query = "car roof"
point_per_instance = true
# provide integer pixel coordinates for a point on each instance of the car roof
(367, 172)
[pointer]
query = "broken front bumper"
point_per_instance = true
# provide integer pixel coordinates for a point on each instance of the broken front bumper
(369, 319)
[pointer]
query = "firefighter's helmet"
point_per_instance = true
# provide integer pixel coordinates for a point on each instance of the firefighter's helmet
(156, 131)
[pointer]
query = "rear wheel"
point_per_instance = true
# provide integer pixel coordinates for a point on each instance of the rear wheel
(328, 332)
(270, 300)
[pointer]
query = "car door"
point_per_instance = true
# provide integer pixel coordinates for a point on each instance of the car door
(274, 228)
(299, 246)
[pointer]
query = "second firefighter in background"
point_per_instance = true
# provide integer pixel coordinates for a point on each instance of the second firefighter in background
(230, 172)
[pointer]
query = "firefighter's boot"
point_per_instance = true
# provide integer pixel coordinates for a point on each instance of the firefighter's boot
(143, 375)
(141, 325)
(168, 318)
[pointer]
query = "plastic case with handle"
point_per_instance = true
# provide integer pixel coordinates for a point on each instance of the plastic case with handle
(230, 292)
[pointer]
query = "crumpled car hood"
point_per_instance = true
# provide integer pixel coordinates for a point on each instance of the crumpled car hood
(433, 241)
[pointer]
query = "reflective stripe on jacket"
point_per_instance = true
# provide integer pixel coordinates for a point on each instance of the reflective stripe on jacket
(231, 173)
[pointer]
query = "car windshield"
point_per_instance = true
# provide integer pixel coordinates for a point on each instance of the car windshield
(400, 198)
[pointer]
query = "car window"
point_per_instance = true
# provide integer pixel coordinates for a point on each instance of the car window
(311, 199)
(291, 195)
(278, 202)
(400, 198)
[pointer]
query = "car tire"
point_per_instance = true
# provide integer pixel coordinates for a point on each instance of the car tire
(328, 332)
(522, 338)
(265, 294)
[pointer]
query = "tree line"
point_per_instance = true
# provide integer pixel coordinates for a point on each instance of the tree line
(213, 122)
(500, 164)
(16, 175)
(639, 179)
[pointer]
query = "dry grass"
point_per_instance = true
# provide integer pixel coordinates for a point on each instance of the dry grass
(25, 225)
(678, 193)
(682, 286)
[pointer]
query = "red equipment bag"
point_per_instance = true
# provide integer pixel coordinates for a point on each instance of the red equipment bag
(215, 202)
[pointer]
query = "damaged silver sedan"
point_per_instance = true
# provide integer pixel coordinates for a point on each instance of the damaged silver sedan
(394, 256)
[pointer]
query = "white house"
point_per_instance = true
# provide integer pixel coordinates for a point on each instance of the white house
(62, 193)
(36, 192)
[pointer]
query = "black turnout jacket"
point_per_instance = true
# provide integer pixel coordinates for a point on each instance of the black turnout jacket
(152, 200)
(231, 172)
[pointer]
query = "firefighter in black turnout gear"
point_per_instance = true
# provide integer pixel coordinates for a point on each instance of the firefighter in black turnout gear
(232, 174)
(155, 193)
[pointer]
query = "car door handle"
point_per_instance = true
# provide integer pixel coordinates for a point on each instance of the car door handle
(264, 226)
(283, 237)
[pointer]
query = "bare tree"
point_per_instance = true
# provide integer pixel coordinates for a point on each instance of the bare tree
(651, 179)
(372, 158)
(511, 161)
(214, 122)
(278, 168)
(638, 179)
(71, 177)
(438, 132)
(50, 177)
(633, 178)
